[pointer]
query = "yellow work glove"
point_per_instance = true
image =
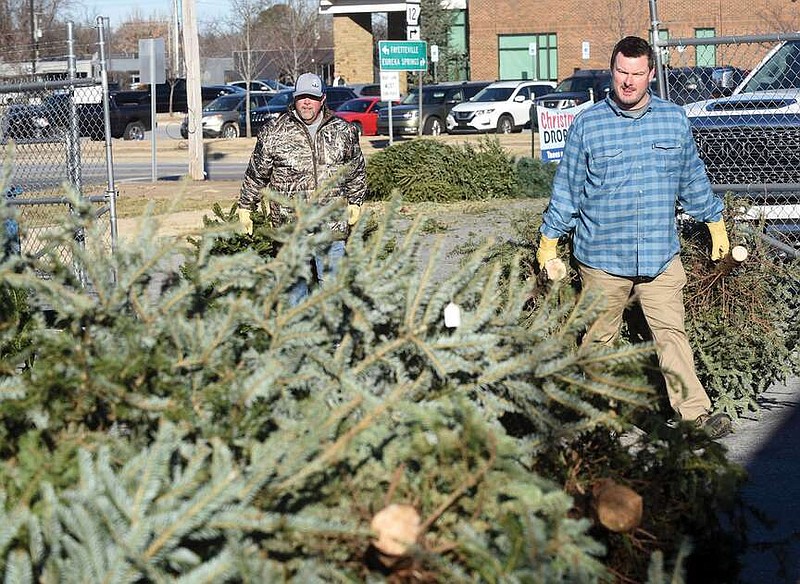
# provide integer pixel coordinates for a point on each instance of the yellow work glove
(353, 213)
(245, 220)
(720, 246)
(546, 251)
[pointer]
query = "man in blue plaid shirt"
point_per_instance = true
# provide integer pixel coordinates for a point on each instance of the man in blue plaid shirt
(627, 161)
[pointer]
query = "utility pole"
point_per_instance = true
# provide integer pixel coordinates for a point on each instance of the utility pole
(248, 129)
(192, 55)
(176, 59)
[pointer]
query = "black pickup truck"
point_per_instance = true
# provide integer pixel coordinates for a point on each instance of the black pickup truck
(49, 120)
(171, 97)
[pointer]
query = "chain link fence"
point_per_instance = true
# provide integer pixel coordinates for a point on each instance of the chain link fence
(742, 96)
(54, 139)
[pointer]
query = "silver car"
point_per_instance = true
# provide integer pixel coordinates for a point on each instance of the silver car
(221, 116)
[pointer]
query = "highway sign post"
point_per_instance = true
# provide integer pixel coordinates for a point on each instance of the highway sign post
(405, 56)
(152, 70)
(390, 91)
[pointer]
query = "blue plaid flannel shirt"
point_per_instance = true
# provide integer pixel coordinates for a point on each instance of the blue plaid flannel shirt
(617, 185)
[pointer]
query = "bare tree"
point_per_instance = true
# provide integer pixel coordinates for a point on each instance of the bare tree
(296, 33)
(784, 17)
(218, 39)
(271, 39)
(30, 30)
(127, 35)
(246, 13)
(612, 20)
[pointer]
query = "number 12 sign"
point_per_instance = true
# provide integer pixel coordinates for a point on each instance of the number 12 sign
(412, 13)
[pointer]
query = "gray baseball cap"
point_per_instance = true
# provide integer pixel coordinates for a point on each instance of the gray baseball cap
(308, 84)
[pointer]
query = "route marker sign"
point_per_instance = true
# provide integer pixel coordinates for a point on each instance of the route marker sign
(403, 55)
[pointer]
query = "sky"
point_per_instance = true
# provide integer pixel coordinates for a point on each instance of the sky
(119, 10)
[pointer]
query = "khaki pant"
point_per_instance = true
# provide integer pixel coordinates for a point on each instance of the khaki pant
(661, 300)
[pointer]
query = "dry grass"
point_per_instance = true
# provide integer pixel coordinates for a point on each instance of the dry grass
(180, 205)
(161, 198)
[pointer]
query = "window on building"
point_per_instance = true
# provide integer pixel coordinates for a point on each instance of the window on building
(663, 35)
(705, 55)
(528, 56)
(457, 65)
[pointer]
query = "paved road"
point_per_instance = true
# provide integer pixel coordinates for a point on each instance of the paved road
(142, 171)
(768, 446)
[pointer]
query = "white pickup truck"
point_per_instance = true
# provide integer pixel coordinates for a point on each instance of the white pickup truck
(750, 140)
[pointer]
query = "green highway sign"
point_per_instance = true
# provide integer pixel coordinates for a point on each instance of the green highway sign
(403, 55)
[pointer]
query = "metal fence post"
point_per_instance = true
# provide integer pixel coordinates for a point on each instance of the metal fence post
(660, 78)
(51, 125)
(73, 139)
(111, 189)
(73, 136)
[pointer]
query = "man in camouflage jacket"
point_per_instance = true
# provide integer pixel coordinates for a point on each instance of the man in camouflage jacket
(307, 152)
(299, 157)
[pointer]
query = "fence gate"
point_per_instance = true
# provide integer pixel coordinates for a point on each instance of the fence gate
(54, 137)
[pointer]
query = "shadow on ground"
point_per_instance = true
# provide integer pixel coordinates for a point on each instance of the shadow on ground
(768, 446)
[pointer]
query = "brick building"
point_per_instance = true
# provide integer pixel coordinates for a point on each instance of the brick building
(549, 39)
(568, 34)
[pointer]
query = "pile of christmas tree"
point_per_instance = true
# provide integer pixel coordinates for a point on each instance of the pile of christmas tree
(168, 415)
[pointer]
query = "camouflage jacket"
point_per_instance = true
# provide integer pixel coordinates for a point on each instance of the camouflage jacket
(286, 161)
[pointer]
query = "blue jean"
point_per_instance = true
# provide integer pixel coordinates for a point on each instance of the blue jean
(324, 265)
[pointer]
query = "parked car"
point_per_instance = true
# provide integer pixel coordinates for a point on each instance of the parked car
(280, 101)
(209, 93)
(362, 112)
(174, 91)
(255, 85)
(750, 141)
(437, 101)
(688, 84)
(221, 117)
(502, 107)
(263, 115)
(337, 95)
(275, 84)
(366, 89)
(49, 120)
(582, 86)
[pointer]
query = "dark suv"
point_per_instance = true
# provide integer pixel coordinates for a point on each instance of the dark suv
(579, 87)
(336, 96)
(261, 116)
(437, 101)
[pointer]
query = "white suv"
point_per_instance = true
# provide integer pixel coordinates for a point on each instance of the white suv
(502, 107)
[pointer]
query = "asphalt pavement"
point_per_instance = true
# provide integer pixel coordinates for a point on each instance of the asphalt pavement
(767, 444)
